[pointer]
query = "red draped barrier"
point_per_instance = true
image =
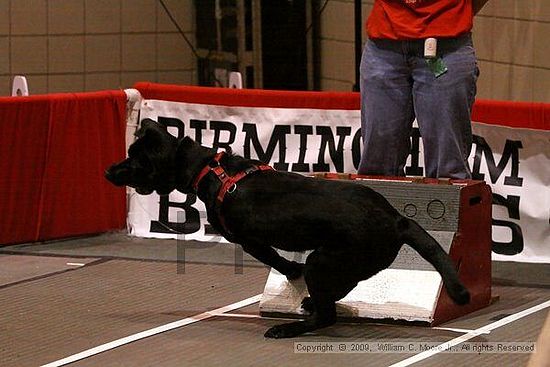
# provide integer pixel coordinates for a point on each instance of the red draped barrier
(53, 152)
(249, 97)
(523, 115)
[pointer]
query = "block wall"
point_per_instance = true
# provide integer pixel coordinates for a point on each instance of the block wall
(86, 45)
(510, 36)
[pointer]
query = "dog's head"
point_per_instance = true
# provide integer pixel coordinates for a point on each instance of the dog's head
(157, 161)
(150, 163)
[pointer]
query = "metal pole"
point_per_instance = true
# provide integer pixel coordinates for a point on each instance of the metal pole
(358, 42)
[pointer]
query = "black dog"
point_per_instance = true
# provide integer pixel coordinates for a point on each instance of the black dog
(353, 231)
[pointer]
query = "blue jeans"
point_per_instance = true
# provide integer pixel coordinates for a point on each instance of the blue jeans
(397, 86)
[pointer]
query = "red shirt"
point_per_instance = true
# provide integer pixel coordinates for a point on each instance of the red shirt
(417, 19)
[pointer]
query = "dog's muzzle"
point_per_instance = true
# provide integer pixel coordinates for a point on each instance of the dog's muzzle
(119, 175)
(122, 176)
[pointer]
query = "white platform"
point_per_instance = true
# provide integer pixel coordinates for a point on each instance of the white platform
(407, 291)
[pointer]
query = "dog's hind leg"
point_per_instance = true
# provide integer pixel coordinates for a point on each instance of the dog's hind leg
(328, 280)
(268, 255)
(307, 305)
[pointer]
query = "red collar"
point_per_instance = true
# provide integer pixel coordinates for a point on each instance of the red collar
(217, 158)
(228, 183)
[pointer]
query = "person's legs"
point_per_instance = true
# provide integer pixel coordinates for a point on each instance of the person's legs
(443, 107)
(386, 109)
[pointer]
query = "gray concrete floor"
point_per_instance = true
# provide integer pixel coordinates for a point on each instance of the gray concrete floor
(63, 297)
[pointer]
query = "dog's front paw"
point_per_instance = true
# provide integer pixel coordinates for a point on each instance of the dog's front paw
(284, 331)
(295, 270)
(276, 332)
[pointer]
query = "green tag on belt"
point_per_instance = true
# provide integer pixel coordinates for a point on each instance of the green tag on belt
(437, 66)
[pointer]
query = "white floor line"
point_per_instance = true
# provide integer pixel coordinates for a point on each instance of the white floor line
(147, 333)
(241, 315)
(462, 331)
(463, 338)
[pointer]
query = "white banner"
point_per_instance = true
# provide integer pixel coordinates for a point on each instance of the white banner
(516, 164)
(513, 161)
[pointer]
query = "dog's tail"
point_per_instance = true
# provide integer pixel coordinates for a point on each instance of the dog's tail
(420, 240)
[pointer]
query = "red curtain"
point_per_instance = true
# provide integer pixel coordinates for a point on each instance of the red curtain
(53, 152)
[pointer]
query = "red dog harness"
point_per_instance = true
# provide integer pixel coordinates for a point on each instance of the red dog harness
(228, 183)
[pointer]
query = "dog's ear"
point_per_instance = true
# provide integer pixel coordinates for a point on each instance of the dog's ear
(192, 158)
(193, 148)
(147, 125)
(187, 142)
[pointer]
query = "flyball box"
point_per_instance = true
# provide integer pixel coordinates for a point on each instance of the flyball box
(457, 213)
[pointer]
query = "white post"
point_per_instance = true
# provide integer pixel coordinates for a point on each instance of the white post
(20, 86)
(235, 80)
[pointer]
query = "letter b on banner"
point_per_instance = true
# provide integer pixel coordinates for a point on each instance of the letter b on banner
(191, 224)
